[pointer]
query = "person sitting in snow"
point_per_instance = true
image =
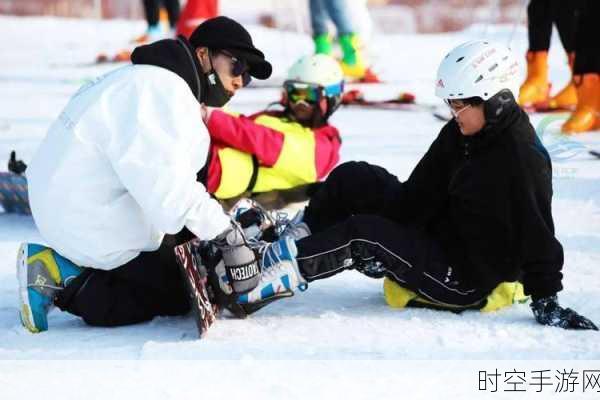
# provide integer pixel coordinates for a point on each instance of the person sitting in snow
(275, 156)
(121, 173)
(474, 213)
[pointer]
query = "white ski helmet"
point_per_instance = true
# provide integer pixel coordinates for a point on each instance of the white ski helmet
(477, 69)
(316, 69)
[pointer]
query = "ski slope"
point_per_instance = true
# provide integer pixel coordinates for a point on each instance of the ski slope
(337, 339)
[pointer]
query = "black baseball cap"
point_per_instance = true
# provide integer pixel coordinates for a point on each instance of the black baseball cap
(223, 33)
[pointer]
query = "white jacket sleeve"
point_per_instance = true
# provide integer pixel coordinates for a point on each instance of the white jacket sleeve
(156, 147)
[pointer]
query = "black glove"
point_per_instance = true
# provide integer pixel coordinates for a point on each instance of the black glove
(547, 311)
(16, 166)
(241, 265)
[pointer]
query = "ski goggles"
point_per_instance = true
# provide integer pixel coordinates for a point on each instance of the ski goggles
(238, 67)
(310, 93)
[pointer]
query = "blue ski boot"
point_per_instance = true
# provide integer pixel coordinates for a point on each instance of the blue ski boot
(280, 276)
(42, 273)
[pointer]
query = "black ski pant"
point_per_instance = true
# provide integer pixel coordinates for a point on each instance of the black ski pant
(351, 188)
(148, 286)
(542, 14)
(587, 46)
(348, 230)
(152, 8)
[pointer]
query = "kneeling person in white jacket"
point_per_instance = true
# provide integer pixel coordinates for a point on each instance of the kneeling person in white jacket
(120, 179)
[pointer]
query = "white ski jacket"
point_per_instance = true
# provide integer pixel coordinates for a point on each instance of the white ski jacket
(117, 169)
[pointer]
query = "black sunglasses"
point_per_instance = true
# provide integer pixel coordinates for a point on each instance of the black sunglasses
(238, 67)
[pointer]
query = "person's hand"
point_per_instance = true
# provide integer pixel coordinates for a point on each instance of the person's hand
(548, 312)
(16, 166)
(241, 265)
(206, 112)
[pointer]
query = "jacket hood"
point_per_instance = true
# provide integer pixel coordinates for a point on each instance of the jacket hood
(176, 55)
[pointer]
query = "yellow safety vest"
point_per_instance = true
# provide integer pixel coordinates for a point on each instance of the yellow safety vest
(295, 166)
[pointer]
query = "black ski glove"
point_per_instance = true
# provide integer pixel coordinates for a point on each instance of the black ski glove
(547, 311)
(241, 265)
(16, 166)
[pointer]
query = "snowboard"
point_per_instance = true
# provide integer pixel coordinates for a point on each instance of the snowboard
(195, 276)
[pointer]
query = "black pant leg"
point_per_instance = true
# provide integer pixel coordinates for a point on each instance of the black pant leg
(351, 188)
(151, 10)
(587, 46)
(327, 253)
(173, 9)
(539, 23)
(566, 17)
(412, 259)
(148, 286)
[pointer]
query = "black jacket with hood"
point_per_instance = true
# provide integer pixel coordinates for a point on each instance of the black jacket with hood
(487, 199)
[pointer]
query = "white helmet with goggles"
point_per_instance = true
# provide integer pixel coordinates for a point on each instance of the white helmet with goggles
(316, 79)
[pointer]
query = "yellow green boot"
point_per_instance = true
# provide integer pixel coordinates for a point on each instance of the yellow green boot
(353, 64)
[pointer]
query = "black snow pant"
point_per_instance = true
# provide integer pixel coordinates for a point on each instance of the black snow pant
(347, 231)
(542, 14)
(587, 46)
(152, 7)
(148, 286)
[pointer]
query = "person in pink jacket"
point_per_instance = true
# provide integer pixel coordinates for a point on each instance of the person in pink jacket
(277, 156)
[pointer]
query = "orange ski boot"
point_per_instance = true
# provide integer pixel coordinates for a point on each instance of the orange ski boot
(536, 87)
(566, 99)
(586, 116)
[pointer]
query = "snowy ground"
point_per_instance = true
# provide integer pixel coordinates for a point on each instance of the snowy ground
(346, 341)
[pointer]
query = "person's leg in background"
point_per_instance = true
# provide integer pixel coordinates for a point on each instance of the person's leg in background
(173, 10)
(586, 116)
(158, 12)
(536, 87)
(352, 63)
(566, 14)
(318, 21)
(152, 12)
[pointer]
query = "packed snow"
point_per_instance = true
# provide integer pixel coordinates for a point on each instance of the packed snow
(344, 339)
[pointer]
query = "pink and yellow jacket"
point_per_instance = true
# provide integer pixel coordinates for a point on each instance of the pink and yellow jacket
(265, 152)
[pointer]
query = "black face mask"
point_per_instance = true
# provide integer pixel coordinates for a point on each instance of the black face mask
(216, 95)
